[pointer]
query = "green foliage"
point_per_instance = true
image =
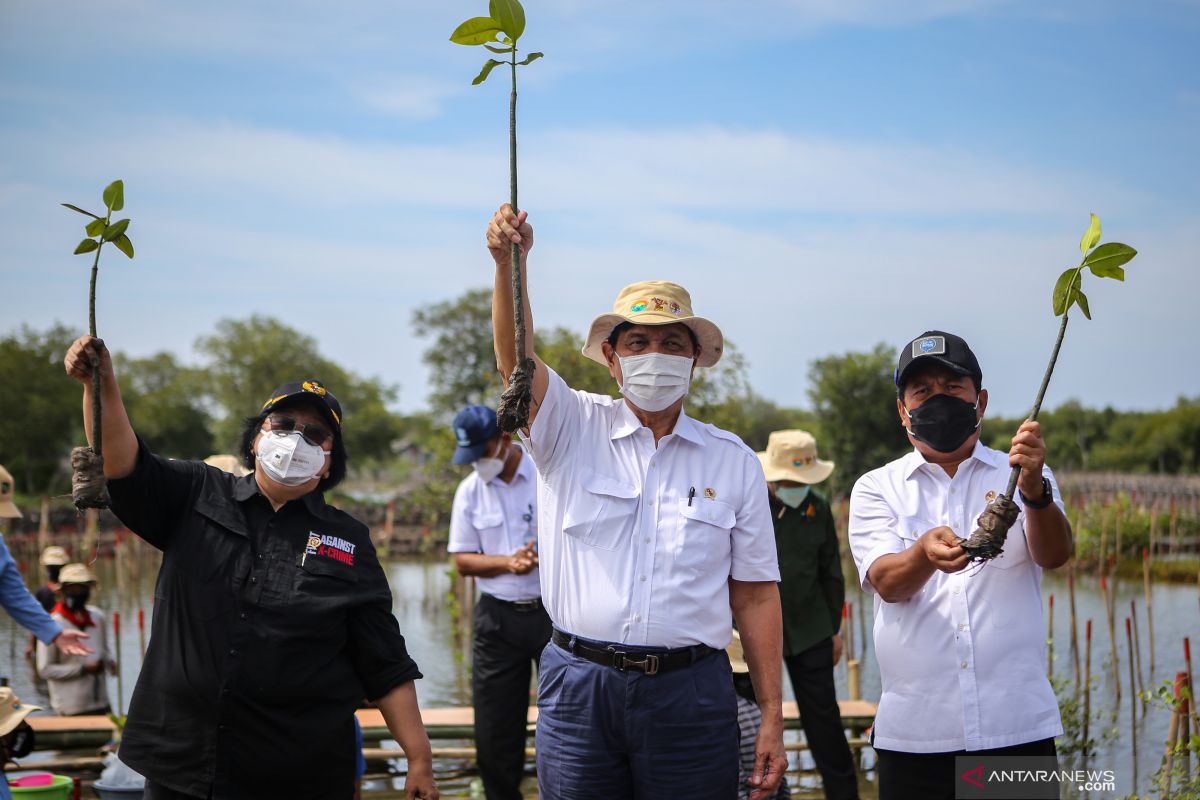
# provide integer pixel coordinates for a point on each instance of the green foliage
(855, 402)
(498, 32)
(1102, 724)
(247, 359)
(100, 230)
(39, 412)
(1104, 262)
(114, 196)
(167, 402)
(462, 358)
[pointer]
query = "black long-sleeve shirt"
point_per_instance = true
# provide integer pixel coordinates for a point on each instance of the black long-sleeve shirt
(811, 587)
(269, 628)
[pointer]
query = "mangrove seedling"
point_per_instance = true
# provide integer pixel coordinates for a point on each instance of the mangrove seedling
(1105, 261)
(499, 32)
(88, 487)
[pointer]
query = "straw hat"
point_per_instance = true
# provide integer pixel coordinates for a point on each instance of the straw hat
(7, 507)
(76, 573)
(737, 658)
(655, 303)
(53, 556)
(12, 711)
(792, 456)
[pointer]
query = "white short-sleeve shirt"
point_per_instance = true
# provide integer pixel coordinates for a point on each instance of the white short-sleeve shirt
(963, 661)
(497, 519)
(638, 542)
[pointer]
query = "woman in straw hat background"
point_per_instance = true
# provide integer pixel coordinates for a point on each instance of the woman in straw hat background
(16, 737)
(654, 534)
(811, 591)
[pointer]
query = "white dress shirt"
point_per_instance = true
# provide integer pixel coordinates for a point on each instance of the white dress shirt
(963, 661)
(639, 542)
(497, 519)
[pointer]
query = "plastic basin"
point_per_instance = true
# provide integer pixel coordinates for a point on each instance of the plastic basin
(116, 792)
(59, 787)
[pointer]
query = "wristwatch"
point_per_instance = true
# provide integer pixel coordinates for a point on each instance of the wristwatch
(1047, 496)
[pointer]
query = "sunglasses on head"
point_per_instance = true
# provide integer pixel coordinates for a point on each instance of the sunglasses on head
(313, 432)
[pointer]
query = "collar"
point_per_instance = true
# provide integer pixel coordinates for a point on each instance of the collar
(626, 423)
(246, 487)
(913, 461)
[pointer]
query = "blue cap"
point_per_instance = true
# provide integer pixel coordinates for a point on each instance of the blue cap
(473, 428)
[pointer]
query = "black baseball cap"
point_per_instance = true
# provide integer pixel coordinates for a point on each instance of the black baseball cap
(945, 348)
(474, 427)
(312, 390)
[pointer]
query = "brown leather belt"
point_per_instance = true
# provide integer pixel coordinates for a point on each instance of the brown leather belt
(651, 662)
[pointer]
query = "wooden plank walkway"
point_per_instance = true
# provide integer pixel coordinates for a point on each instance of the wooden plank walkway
(457, 722)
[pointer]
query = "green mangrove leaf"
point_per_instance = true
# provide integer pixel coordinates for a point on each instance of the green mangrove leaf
(476, 30)
(1081, 301)
(510, 15)
(1062, 291)
(1106, 260)
(86, 246)
(498, 49)
(115, 230)
(530, 58)
(95, 227)
(123, 244)
(1091, 236)
(80, 210)
(114, 196)
(488, 66)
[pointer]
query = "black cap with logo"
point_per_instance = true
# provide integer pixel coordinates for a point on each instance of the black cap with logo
(313, 390)
(945, 348)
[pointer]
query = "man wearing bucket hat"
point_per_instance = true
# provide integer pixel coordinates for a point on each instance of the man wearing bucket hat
(52, 560)
(272, 615)
(812, 591)
(653, 528)
(14, 595)
(961, 652)
(77, 684)
(493, 536)
(16, 736)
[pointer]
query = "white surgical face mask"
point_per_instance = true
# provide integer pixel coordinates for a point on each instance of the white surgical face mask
(288, 459)
(792, 496)
(488, 468)
(655, 380)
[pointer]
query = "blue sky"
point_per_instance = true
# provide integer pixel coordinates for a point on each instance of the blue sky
(822, 175)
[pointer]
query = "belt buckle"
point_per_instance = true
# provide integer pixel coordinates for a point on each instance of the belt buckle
(622, 662)
(649, 664)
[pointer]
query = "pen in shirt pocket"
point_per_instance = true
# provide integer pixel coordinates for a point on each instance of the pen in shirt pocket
(691, 494)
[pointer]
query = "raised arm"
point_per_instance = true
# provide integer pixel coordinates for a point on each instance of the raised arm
(505, 229)
(120, 443)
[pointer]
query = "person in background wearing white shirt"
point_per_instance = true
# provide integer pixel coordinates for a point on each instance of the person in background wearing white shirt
(961, 652)
(654, 527)
(77, 683)
(493, 536)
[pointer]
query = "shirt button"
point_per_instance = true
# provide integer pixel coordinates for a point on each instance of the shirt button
(957, 589)
(963, 665)
(260, 556)
(647, 540)
(253, 579)
(642, 579)
(233, 652)
(961, 627)
(637, 617)
(242, 615)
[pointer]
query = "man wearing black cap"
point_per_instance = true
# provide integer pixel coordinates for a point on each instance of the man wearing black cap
(493, 536)
(961, 652)
(272, 615)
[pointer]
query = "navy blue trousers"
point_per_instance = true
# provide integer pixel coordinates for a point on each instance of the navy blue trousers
(602, 733)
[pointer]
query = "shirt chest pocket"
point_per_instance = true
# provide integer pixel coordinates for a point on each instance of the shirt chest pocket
(324, 585)
(602, 512)
(489, 527)
(703, 540)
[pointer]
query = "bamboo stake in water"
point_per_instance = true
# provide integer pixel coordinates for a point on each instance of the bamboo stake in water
(1132, 694)
(1149, 611)
(1074, 627)
(1087, 686)
(1153, 523)
(1050, 640)
(1103, 540)
(1112, 638)
(117, 650)
(1172, 738)
(142, 633)
(1187, 659)
(1185, 733)
(1137, 654)
(1117, 528)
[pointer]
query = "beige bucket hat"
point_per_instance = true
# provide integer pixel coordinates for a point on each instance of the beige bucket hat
(53, 556)
(7, 507)
(792, 456)
(76, 573)
(655, 303)
(12, 711)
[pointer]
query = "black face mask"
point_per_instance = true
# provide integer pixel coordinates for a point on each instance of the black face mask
(19, 743)
(77, 601)
(943, 422)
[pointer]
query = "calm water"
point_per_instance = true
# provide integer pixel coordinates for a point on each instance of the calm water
(422, 588)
